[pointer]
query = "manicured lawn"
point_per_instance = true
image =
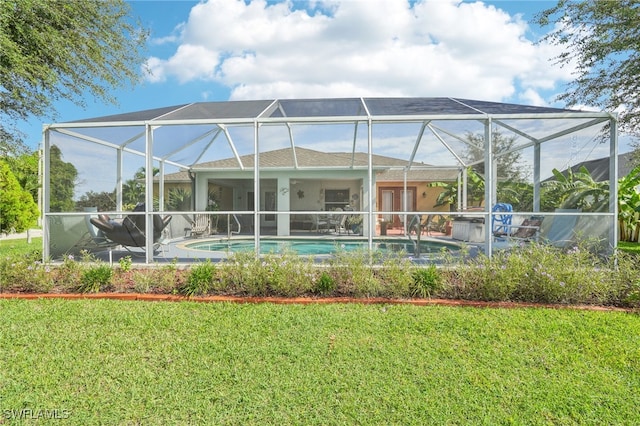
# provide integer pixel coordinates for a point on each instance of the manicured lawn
(115, 362)
(19, 247)
(629, 247)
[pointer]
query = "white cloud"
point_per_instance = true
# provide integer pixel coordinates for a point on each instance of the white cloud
(360, 48)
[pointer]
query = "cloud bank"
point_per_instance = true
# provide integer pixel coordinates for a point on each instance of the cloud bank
(348, 48)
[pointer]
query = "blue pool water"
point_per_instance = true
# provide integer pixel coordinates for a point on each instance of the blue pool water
(320, 247)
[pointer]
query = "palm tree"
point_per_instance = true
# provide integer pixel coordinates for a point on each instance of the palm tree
(576, 190)
(449, 195)
(629, 206)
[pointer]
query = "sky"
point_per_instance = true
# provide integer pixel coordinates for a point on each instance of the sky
(231, 50)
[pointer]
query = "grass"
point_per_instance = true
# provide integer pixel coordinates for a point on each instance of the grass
(115, 362)
(629, 247)
(20, 247)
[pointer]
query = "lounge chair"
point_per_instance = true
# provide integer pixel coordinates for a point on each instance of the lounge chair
(528, 230)
(130, 232)
(560, 233)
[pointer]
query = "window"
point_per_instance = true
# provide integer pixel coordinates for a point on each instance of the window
(336, 198)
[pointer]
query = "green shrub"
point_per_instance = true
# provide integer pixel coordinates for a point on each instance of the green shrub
(243, 273)
(394, 274)
(353, 272)
(325, 284)
(288, 274)
(199, 279)
(125, 263)
(534, 273)
(94, 278)
(69, 274)
(425, 281)
(22, 274)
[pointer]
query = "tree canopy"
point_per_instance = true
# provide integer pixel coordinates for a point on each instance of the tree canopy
(61, 49)
(63, 177)
(509, 164)
(18, 211)
(602, 39)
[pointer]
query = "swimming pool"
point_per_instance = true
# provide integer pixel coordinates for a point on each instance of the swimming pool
(319, 247)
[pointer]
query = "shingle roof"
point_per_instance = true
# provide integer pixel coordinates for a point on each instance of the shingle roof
(308, 158)
(599, 168)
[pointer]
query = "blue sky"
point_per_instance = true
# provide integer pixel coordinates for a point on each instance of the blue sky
(225, 49)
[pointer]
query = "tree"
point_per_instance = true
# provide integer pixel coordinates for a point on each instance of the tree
(575, 190)
(133, 190)
(449, 194)
(602, 39)
(54, 50)
(18, 211)
(629, 206)
(104, 201)
(25, 168)
(509, 164)
(63, 182)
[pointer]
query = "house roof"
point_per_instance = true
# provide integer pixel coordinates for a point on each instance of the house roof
(599, 168)
(387, 168)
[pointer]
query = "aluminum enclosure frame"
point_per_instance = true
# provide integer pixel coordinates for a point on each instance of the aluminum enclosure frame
(429, 113)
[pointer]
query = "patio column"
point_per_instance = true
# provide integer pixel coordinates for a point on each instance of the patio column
(283, 204)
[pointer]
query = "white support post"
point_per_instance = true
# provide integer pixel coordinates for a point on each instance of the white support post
(536, 177)
(161, 206)
(371, 221)
(46, 192)
(149, 193)
(613, 181)
(489, 186)
(256, 187)
(119, 170)
(465, 186)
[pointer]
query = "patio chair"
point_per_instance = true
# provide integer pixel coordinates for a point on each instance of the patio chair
(433, 223)
(528, 230)
(130, 232)
(560, 233)
(319, 223)
(97, 236)
(200, 225)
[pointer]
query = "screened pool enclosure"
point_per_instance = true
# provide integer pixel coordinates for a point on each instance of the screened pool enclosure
(357, 168)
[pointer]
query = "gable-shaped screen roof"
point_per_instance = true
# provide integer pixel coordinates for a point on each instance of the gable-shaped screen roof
(336, 107)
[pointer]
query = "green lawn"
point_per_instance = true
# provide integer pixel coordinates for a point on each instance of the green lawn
(20, 247)
(629, 247)
(114, 362)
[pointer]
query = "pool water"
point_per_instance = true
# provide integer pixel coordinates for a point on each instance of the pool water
(320, 247)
